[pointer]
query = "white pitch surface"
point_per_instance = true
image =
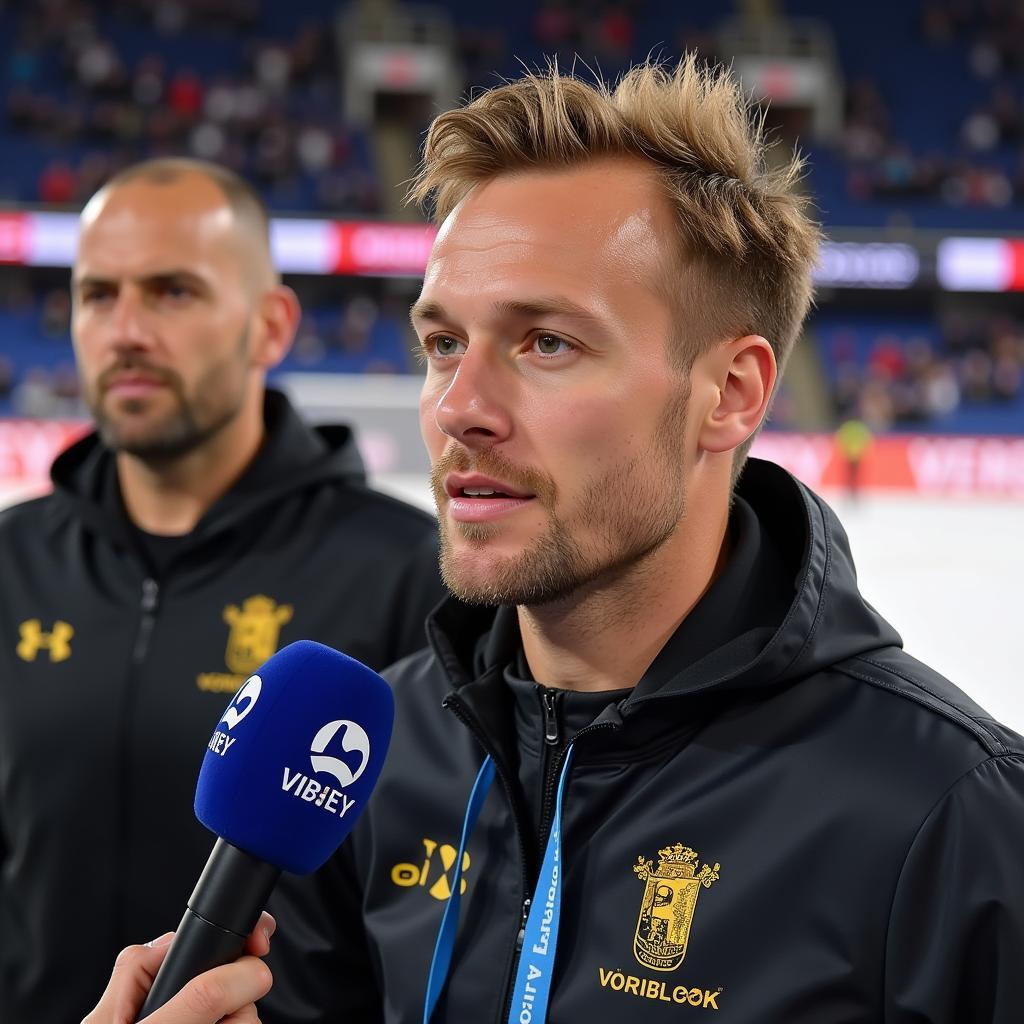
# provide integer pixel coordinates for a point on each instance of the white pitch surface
(948, 574)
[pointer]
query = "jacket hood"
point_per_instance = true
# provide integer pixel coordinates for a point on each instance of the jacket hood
(293, 457)
(792, 565)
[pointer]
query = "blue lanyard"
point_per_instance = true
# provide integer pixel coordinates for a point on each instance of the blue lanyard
(450, 922)
(540, 941)
(540, 937)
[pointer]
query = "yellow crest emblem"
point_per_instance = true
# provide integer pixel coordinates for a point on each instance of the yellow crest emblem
(33, 640)
(670, 898)
(255, 628)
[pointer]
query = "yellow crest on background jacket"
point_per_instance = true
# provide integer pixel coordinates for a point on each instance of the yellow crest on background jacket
(255, 628)
(670, 898)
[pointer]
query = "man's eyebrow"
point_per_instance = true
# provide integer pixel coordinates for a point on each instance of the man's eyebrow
(157, 277)
(89, 280)
(425, 309)
(555, 306)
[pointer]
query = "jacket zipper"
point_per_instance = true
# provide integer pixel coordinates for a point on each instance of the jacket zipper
(150, 600)
(521, 937)
(148, 606)
(549, 755)
(551, 730)
(552, 734)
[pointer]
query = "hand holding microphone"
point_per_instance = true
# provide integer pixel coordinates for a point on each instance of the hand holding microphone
(288, 769)
(225, 995)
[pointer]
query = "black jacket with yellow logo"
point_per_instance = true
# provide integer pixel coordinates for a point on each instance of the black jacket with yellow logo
(788, 821)
(112, 677)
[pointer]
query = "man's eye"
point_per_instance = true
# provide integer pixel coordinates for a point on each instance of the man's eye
(174, 290)
(552, 345)
(445, 346)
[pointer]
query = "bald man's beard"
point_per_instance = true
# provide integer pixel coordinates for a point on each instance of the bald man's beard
(134, 428)
(618, 518)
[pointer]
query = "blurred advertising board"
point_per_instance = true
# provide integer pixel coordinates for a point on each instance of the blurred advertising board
(851, 258)
(929, 465)
(932, 466)
(299, 245)
(27, 447)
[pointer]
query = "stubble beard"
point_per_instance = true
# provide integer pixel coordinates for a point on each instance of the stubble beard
(630, 511)
(187, 426)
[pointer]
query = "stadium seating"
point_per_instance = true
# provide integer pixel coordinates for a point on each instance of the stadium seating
(932, 139)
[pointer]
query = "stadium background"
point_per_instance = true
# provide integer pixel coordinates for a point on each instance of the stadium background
(911, 115)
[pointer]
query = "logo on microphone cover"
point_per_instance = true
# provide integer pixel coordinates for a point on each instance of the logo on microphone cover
(241, 704)
(353, 740)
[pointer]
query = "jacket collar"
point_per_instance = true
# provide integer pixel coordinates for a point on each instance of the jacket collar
(293, 457)
(786, 605)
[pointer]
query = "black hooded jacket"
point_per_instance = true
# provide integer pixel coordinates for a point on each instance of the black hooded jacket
(113, 673)
(861, 820)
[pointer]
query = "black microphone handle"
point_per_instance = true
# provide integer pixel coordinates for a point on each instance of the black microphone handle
(223, 909)
(198, 946)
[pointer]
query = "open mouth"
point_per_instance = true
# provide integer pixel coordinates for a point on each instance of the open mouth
(486, 492)
(464, 485)
(475, 498)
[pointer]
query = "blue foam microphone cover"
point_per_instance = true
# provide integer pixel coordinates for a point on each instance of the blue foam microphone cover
(293, 760)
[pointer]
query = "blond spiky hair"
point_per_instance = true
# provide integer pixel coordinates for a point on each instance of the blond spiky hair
(746, 244)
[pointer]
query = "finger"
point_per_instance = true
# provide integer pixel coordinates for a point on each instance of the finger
(258, 943)
(217, 994)
(247, 1015)
(133, 974)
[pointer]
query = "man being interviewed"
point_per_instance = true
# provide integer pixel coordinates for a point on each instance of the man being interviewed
(699, 774)
(721, 784)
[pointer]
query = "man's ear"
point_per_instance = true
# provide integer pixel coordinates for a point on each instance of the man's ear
(275, 322)
(744, 372)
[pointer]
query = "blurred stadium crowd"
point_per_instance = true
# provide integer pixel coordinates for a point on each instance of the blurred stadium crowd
(931, 136)
(898, 373)
(91, 87)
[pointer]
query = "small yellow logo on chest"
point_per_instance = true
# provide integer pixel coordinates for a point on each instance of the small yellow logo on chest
(56, 642)
(434, 874)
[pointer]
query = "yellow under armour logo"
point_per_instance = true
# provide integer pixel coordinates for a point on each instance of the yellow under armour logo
(34, 640)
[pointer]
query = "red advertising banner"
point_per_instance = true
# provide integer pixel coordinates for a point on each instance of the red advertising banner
(27, 447)
(14, 237)
(926, 465)
(364, 247)
(1015, 282)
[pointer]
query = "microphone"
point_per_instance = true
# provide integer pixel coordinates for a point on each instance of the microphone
(289, 768)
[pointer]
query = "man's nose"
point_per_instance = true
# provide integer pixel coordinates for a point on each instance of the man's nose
(129, 321)
(473, 409)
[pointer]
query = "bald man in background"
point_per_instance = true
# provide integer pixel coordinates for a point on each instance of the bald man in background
(199, 528)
